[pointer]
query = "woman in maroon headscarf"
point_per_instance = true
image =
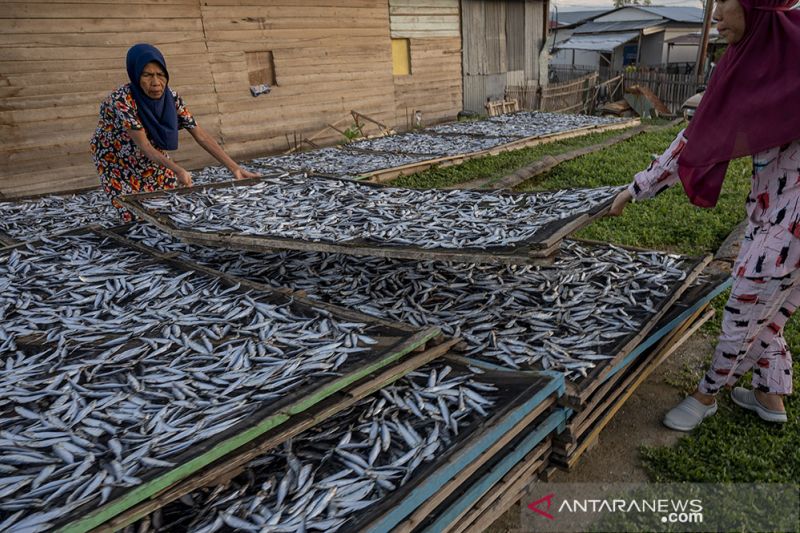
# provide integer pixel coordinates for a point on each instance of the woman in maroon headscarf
(751, 107)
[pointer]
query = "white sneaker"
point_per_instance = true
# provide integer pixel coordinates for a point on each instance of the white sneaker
(747, 399)
(688, 414)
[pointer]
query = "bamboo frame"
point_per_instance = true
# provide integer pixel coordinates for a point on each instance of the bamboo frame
(565, 457)
(504, 493)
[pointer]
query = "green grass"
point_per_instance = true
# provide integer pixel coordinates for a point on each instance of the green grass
(494, 167)
(733, 445)
(667, 222)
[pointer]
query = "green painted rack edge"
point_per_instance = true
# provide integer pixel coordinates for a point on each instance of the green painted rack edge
(140, 493)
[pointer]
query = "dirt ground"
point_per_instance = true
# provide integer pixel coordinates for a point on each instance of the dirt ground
(615, 457)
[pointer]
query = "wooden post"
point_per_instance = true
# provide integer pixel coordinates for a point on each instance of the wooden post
(699, 66)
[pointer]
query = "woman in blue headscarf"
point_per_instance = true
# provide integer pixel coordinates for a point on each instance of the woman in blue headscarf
(139, 122)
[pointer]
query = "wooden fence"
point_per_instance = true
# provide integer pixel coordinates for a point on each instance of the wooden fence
(571, 96)
(581, 94)
(672, 89)
(526, 95)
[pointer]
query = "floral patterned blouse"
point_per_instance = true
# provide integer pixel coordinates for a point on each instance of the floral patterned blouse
(122, 167)
(772, 241)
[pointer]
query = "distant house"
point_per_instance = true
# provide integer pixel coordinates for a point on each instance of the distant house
(570, 19)
(631, 35)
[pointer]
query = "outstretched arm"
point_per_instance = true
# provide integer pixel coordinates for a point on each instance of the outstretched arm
(656, 178)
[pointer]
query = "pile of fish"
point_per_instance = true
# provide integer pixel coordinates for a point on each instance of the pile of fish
(340, 211)
(325, 476)
(524, 124)
(336, 162)
(422, 143)
(29, 219)
(114, 363)
(566, 317)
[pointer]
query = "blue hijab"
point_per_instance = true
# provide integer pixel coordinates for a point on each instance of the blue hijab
(159, 117)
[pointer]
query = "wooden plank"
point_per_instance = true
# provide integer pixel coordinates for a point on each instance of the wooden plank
(40, 26)
(505, 493)
(472, 494)
(628, 388)
(64, 10)
(293, 3)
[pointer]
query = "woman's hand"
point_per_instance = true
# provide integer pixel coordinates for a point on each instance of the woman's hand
(620, 202)
(242, 174)
(184, 178)
(211, 146)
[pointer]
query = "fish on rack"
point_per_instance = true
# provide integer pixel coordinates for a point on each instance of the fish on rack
(29, 219)
(342, 211)
(567, 317)
(335, 162)
(429, 144)
(114, 365)
(324, 477)
(525, 124)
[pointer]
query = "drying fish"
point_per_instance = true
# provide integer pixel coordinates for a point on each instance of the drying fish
(340, 211)
(429, 144)
(323, 477)
(335, 162)
(29, 219)
(566, 317)
(524, 124)
(115, 364)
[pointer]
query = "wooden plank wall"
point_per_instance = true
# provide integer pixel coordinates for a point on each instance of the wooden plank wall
(59, 59)
(434, 86)
(330, 57)
(501, 43)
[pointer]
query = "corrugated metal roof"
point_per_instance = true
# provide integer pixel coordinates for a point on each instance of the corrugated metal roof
(676, 13)
(567, 18)
(621, 25)
(598, 43)
(693, 38)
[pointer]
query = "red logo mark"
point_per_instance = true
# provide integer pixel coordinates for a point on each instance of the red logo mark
(535, 506)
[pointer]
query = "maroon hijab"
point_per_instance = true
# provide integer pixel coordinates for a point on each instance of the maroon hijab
(752, 102)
